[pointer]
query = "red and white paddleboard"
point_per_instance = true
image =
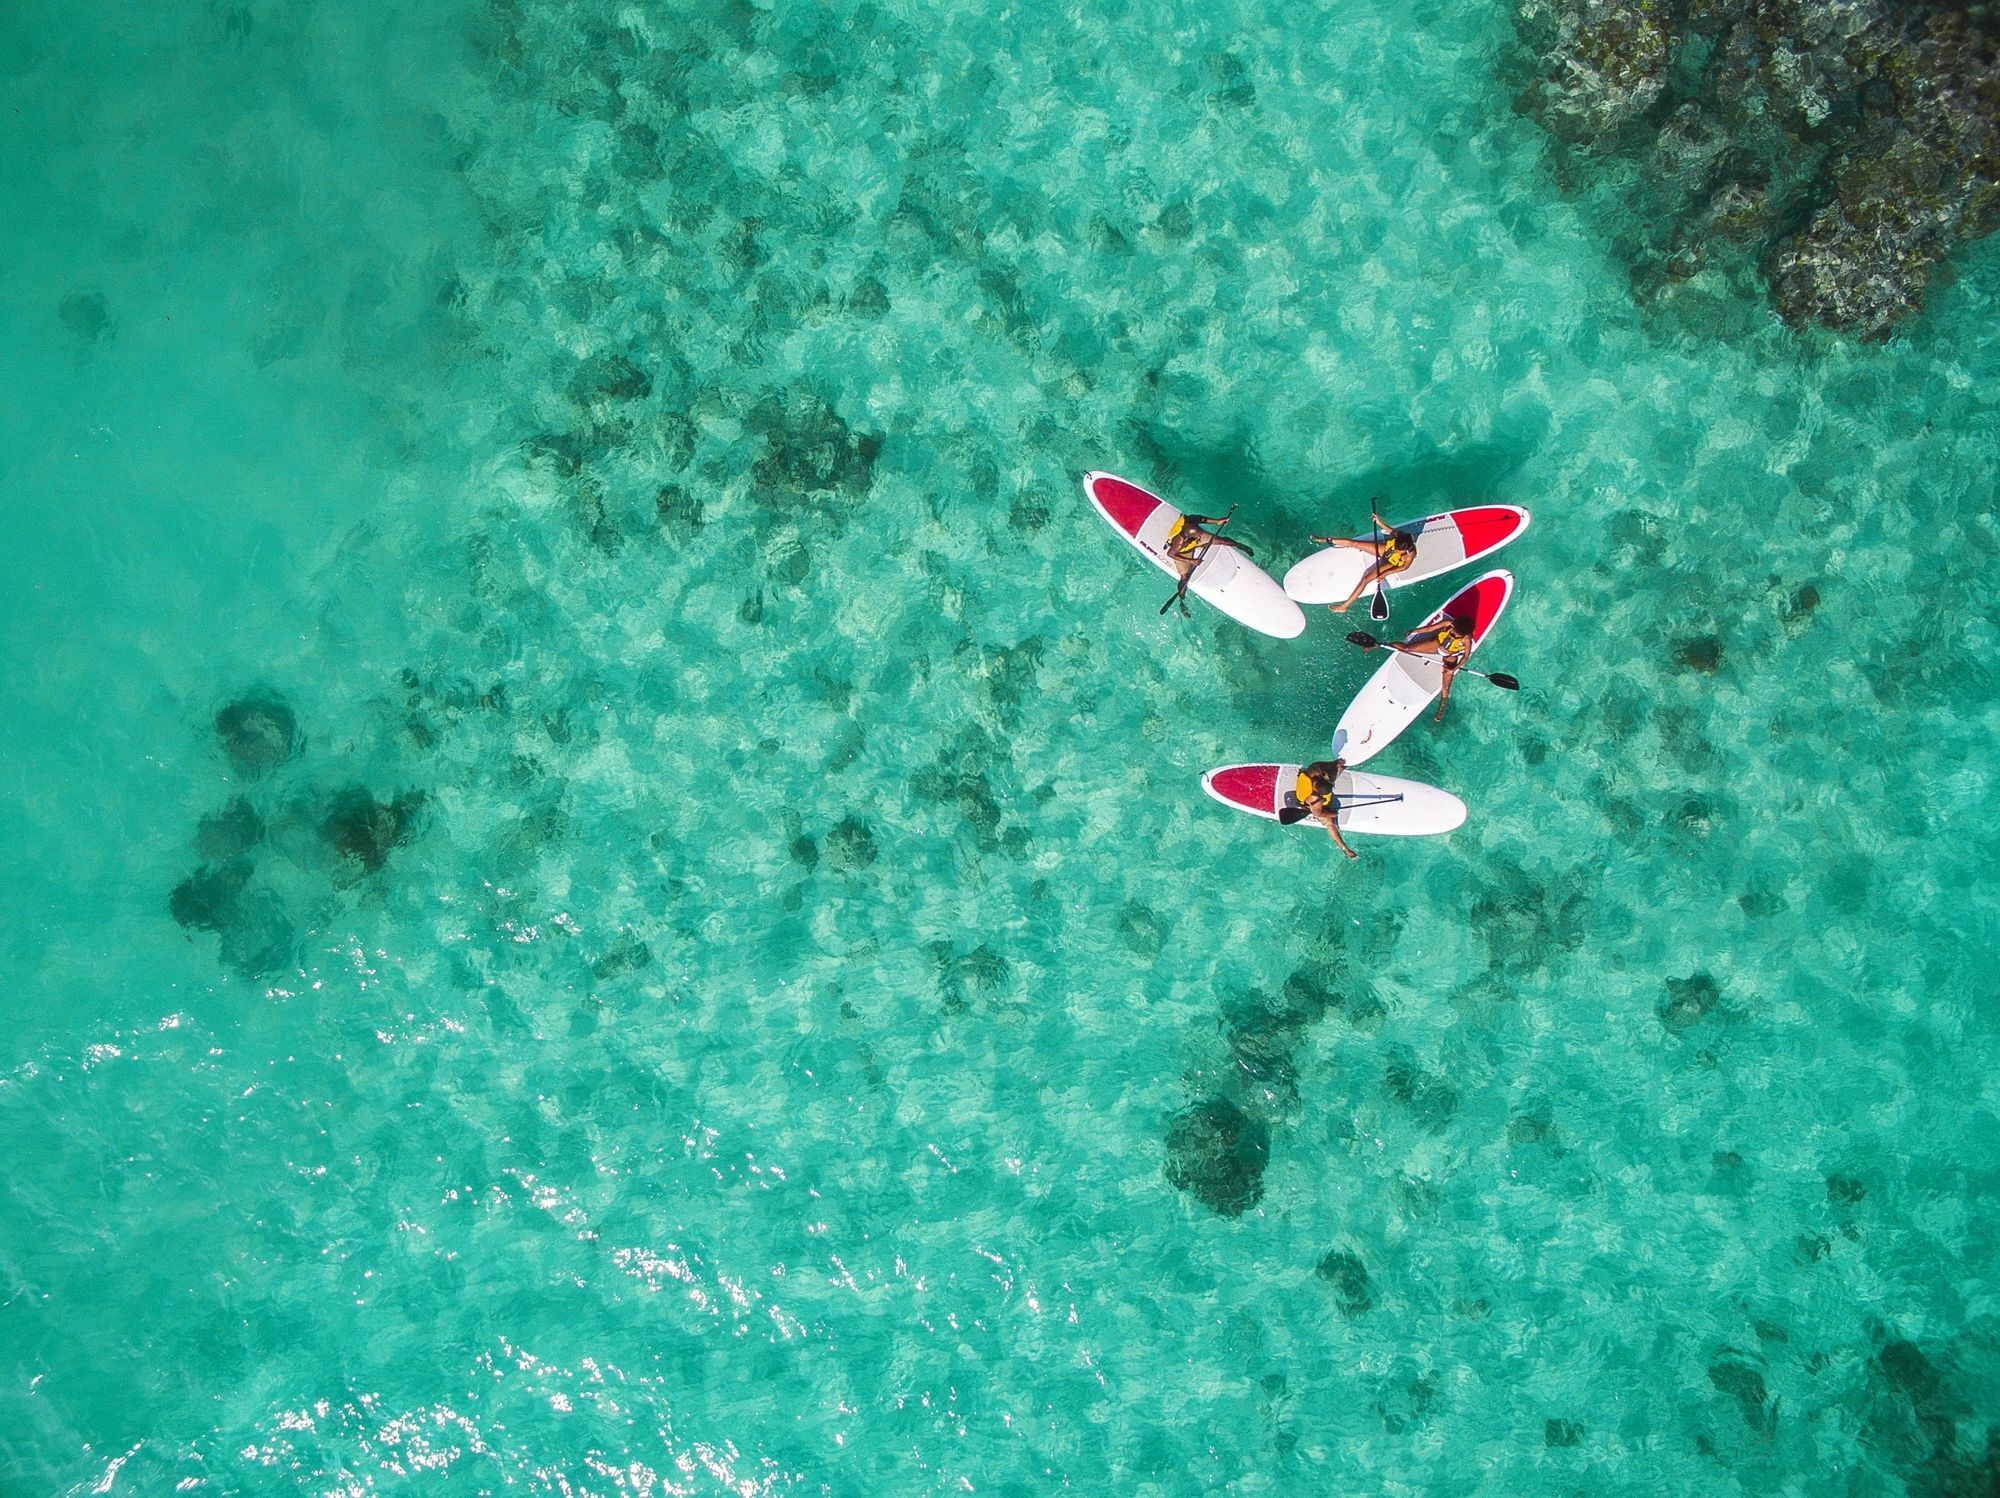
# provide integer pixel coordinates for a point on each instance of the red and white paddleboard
(1379, 804)
(1224, 576)
(1444, 541)
(1397, 695)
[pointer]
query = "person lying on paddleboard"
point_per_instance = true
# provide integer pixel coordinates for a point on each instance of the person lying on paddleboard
(1187, 541)
(1315, 793)
(1450, 642)
(1392, 555)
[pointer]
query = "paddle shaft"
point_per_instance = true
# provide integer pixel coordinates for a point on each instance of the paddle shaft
(1378, 606)
(1500, 679)
(1291, 816)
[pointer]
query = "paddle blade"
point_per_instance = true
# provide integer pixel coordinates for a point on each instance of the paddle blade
(1502, 680)
(1378, 606)
(1292, 815)
(1362, 638)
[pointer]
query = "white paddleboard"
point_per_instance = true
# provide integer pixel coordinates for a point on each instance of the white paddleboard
(1224, 576)
(1444, 541)
(1398, 693)
(1380, 804)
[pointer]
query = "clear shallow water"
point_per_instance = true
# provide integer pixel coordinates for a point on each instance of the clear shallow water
(651, 437)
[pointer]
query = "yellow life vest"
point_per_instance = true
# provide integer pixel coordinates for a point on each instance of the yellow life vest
(1394, 557)
(1451, 640)
(1308, 787)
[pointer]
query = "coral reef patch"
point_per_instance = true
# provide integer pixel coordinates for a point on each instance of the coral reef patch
(1831, 152)
(1217, 1153)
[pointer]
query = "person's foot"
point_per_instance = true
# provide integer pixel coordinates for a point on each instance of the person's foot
(1350, 853)
(1338, 608)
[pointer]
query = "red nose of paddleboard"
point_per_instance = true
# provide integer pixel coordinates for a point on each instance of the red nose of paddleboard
(1483, 527)
(1253, 787)
(1125, 505)
(1479, 604)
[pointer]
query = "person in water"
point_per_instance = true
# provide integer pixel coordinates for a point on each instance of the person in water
(1187, 542)
(1449, 642)
(1391, 556)
(1315, 794)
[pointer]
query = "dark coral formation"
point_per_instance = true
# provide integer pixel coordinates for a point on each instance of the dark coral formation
(206, 900)
(1925, 1427)
(364, 831)
(257, 936)
(229, 833)
(258, 733)
(1218, 1145)
(1689, 1001)
(1703, 653)
(809, 450)
(1745, 1385)
(628, 954)
(84, 313)
(850, 846)
(1836, 150)
(1430, 1098)
(1344, 1271)
(1217, 1153)
(979, 973)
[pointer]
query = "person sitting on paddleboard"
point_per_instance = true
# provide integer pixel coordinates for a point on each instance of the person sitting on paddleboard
(1450, 641)
(1187, 541)
(1391, 556)
(1315, 794)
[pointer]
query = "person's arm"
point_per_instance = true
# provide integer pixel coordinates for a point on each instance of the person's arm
(1381, 524)
(1333, 826)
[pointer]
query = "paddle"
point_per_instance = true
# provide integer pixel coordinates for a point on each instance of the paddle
(1291, 816)
(1180, 593)
(1499, 679)
(1378, 606)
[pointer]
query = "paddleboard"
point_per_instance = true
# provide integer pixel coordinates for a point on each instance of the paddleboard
(1398, 693)
(1224, 577)
(1444, 541)
(1380, 804)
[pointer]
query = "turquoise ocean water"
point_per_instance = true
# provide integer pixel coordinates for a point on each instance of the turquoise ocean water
(702, 1009)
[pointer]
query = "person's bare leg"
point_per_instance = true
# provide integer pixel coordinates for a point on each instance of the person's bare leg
(1329, 818)
(1444, 697)
(1367, 577)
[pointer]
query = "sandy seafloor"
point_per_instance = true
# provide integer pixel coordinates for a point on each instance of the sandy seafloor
(651, 435)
